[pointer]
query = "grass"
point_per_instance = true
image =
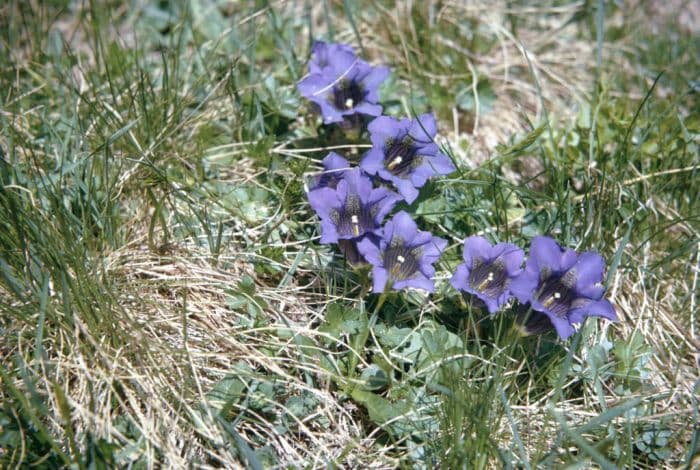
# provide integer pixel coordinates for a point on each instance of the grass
(164, 298)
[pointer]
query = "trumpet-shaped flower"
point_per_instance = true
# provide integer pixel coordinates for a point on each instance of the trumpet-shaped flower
(405, 153)
(404, 256)
(342, 84)
(488, 271)
(353, 208)
(563, 285)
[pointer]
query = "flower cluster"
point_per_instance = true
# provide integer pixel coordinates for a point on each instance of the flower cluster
(557, 287)
(558, 283)
(351, 208)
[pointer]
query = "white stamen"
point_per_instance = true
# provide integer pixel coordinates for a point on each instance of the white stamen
(557, 295)
(349, 103)
(355, 225)
(491, 276)
(400, 259)
(396, 161)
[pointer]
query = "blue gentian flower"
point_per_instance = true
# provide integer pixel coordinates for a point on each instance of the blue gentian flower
(342, 84)
(487, 271)
(563, 285)
(334, 167)
(404, 152)
(404, 256)
(352, 209)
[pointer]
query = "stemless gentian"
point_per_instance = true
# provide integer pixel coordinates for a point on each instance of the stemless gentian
(344, 86)
(404, 257)
(334, 167)
(404, 152)
(353, 208)
(487, 271)
(563, 285)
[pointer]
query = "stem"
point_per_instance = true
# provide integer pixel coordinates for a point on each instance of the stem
(361, 340)
(375, 313)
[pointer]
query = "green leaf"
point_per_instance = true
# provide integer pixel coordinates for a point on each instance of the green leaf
(341, 320)
(225, 393)
(374, 378)
(395, 416)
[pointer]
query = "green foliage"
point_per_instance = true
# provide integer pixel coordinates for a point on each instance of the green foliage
(632, 364)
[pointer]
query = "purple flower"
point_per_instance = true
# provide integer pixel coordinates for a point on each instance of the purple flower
(321, 54)
(488, 271)
(344, 86)
(334, 167)
(404, 257)
(353, 208)
(563, 285)
(405, 153)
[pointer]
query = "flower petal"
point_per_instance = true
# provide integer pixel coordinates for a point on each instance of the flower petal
(329, 232)
(420, 281)
(492, 304)
(333, 161)
(379, 278)
(388, 233)
(358, 184)
(524, 285)
(476, 247)
(334, 167)
(432, 249)
(384, 200)
(597, 308)
(549, 255)
(562, 325)
(441, 164)
(370, 251)
(383, 128)
(589, 269)
(460, 278)
(309, 87)
(404, 227)
(511, 255)
(423, 128)
(323, 200)
(322, 54)
(375, 77)
(368, 108)
(373, 161)
(568, 259)
(420, 175)
(427, 269)
(341, 65)
(406, 188)
(329, 112)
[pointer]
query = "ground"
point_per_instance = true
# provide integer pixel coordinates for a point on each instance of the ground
(164, 297)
